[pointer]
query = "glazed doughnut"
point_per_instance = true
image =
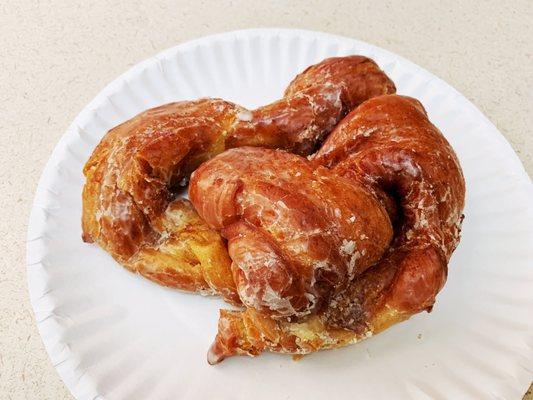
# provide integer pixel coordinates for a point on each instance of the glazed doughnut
(385, 190)
(140, 167)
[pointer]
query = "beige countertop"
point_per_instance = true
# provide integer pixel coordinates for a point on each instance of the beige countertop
(57, 55)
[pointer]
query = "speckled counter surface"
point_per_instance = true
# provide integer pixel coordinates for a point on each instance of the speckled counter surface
(57, 55)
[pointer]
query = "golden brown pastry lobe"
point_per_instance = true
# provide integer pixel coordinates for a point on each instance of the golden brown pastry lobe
(139, 167)
(331, 250)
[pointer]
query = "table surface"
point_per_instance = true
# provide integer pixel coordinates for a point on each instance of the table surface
(57, 55)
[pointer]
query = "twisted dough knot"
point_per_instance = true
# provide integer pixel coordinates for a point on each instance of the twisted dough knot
(314, 255)
(321, 251)
(139, 167)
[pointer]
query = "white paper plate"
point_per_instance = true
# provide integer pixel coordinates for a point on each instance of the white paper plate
(114, 335)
